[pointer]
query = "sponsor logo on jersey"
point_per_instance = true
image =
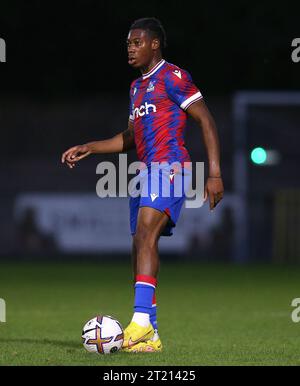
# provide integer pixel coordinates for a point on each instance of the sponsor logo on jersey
(144, 109)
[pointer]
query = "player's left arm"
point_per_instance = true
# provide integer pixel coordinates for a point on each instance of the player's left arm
(214, 189)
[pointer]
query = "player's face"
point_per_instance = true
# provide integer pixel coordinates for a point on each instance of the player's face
(140, 48)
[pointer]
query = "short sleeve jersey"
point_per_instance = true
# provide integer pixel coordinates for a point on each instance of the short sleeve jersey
(158, 104)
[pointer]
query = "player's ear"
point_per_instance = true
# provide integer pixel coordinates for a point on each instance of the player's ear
(155, 44)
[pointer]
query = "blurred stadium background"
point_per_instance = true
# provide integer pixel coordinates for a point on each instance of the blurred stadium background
(66, 82)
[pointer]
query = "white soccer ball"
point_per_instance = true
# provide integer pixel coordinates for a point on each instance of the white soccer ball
(102, 335)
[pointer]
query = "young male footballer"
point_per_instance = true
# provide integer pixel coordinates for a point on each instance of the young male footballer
(160, 100)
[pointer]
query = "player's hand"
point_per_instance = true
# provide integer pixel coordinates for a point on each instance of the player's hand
(75, 154)
(213, 190)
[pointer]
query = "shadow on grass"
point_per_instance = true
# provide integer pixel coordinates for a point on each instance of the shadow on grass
(57, 343)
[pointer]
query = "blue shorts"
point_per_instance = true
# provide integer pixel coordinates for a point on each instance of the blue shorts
(154, 195)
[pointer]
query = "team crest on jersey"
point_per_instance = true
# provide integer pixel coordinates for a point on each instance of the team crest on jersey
(150, 87)
(177, 73)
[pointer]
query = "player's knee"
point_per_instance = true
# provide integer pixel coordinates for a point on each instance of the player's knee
(145, 237)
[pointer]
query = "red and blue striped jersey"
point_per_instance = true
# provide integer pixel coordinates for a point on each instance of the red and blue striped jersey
(158, 104)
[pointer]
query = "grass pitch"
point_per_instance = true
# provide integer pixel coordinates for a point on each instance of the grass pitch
(208, 314)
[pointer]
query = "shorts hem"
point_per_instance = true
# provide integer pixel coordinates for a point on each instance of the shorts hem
(173, 225)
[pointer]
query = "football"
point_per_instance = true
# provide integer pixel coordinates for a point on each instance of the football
(102, 335)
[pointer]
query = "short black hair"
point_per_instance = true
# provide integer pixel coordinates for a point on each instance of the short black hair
(154, 27)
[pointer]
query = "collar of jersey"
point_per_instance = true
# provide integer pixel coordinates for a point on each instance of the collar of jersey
(154, 69)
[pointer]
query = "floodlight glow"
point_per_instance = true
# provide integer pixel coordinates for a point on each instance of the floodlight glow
(258, 155)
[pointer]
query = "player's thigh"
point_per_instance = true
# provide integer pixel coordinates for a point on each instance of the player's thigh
(150, 223)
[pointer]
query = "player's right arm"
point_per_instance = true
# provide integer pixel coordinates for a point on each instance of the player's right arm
(121, 142)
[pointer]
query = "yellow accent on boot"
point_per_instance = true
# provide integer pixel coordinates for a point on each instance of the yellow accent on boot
(134, 333)
(149, 346)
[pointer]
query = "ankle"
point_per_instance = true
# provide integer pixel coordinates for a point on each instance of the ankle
(141, 318)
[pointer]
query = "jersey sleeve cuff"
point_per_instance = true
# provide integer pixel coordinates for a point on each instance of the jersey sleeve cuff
(188, 102)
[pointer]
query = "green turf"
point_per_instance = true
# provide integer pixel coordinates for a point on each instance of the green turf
(208, 314)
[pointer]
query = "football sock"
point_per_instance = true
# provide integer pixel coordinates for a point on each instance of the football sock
(144, 292)
(141, 318)
(153, 315)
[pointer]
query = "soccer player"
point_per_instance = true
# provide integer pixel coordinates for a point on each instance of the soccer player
(160, 100)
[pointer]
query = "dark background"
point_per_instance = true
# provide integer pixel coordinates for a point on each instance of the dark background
(68, 49)
(66, 81)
